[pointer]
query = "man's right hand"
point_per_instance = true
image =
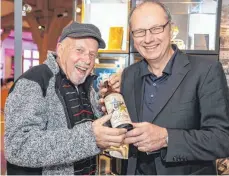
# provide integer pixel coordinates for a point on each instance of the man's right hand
(114, 83)
(106, 136)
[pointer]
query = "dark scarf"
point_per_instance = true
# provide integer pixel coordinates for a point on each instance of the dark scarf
(79, 111)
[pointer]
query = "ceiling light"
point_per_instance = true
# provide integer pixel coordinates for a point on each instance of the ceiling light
(64, 14)
(41, 27)
(27, 8)
(78, 10)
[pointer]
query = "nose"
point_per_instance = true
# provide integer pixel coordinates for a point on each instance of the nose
(86, 58)
(149, 37)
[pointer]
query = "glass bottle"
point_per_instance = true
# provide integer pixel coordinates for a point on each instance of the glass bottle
(116, 106)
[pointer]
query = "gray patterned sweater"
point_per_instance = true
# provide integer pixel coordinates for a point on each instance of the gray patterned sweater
(36, 133)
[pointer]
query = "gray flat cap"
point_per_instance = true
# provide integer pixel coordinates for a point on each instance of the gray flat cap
(78, 30)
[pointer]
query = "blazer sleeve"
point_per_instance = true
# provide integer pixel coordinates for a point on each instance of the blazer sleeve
(211, 141)
(29, 143)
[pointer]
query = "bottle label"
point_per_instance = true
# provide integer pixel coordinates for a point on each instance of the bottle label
(116, 106)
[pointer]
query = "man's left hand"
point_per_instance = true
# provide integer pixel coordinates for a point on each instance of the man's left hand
(147, 137)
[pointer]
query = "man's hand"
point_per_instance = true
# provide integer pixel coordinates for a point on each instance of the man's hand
(147, 137)
(106, 136)
(114, 83)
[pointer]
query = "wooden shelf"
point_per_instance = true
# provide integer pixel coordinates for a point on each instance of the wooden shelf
(114, 51)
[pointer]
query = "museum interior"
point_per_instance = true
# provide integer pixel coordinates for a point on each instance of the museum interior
(30, 28)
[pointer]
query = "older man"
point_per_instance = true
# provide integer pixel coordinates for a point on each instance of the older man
(51, 126)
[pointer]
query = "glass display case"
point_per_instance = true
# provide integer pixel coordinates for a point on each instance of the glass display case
(112, 19)
(195, 25)
(107, 64)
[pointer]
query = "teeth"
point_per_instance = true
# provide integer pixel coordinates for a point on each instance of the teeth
(151, 47)
(81, 68)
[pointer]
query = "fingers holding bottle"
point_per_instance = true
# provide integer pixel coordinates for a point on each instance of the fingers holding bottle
(106, 136)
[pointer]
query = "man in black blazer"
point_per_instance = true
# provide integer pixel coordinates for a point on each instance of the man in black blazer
(178, 103)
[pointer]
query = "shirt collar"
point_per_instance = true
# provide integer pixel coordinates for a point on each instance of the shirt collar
(168, 68)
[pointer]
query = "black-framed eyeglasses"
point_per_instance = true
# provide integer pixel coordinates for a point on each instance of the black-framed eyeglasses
(153, 30)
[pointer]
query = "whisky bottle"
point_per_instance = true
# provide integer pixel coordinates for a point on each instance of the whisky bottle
(120, 118)
(116, 106)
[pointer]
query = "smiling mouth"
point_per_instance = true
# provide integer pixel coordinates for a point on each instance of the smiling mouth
(151, 47)
(81, 68)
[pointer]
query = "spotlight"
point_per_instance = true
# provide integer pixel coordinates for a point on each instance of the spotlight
(78, 10)
(41, 27)
(64, 14)
(27, 8)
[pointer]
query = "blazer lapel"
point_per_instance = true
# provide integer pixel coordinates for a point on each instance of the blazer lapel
(138, 92)
(180, 69)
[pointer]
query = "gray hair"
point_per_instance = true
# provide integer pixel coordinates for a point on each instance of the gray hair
(163, 6)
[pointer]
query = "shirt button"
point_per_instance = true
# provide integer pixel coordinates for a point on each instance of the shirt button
(154, 84)
(151, 95)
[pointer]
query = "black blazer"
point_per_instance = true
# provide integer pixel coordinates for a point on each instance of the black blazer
(194, 109)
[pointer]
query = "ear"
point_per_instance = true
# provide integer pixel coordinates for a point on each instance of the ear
(171, 31)
(59, 49)
(171, 25)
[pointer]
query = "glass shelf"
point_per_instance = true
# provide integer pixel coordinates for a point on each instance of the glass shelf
(111, 17)
(107, 64)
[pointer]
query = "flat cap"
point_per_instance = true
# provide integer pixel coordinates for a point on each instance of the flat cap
(78, 30)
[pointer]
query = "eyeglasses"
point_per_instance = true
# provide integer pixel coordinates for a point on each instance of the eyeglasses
(153, 30)
(82, 51)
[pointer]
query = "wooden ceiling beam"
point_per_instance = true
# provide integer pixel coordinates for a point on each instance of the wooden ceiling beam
(36, 33)
(39, 4)
(7, 20)
(24, 29)
(51, 38)
(9, 0)
(30, 2)
(56, 4)
(46, 15)
(5, 34)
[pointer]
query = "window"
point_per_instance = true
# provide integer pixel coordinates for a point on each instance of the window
(31, 58)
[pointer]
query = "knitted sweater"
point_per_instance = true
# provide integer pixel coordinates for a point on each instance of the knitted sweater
(36, 132)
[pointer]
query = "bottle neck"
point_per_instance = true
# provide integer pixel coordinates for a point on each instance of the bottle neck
(109, 89)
